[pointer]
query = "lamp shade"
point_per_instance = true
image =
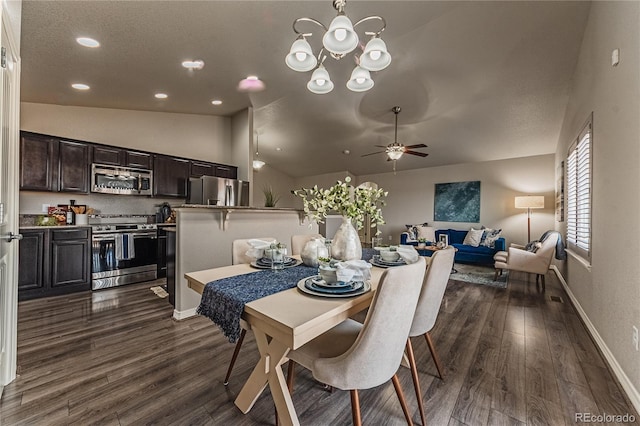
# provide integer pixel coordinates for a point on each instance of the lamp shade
(300, 57)
(360, 80)
(320, 82)
(341, 38)
(530, 202)
(375, 56)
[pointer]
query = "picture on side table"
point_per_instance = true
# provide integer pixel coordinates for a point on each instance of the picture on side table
(444, 238)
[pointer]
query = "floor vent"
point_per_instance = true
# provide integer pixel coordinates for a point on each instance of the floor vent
(556, 299)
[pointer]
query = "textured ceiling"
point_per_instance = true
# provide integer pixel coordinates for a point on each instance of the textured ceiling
(476, 81)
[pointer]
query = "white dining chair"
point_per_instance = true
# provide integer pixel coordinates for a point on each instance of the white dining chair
(239, 255)
(433, 288)
(354, 356)
(298, 242)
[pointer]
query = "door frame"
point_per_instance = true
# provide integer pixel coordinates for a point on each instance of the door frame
(9, 308)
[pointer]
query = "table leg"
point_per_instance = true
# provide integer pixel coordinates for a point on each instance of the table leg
(272, 355)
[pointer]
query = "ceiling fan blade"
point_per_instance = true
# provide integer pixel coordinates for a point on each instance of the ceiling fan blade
(420, 145)
(419, 154)
(381, 146)
(372, 153)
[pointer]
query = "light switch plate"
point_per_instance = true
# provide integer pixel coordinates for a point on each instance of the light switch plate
(615, 57)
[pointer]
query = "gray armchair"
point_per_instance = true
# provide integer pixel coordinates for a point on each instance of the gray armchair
(534, 262)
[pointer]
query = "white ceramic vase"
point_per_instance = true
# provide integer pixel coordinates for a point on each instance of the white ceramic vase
(346, 242)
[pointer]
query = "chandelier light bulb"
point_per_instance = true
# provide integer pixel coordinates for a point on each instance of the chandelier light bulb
(375, 56)
(340, 34)
(341, 38)
(320, 82)
(300, 57)
(360, 80)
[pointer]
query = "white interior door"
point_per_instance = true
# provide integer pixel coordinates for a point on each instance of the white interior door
(9, 130)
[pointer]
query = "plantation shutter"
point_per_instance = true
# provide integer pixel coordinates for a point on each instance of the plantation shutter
(579, 194)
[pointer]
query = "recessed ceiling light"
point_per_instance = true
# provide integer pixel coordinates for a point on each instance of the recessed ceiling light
(193, 65)
(87, 42)
(251, 84)
(278, 149)
(80, 86)
(161, 95)
(346, 152)
(216, 102)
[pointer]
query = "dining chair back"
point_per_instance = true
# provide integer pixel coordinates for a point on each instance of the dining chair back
(239, 249)
(353, 356)
(298, 242)
(433, 288)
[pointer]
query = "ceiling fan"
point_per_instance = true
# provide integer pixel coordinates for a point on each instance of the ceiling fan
(395, 150)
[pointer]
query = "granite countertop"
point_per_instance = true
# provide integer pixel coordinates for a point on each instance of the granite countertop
(54, 226)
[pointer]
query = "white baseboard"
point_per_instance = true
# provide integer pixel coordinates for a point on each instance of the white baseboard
(628, 387)
(180, 315)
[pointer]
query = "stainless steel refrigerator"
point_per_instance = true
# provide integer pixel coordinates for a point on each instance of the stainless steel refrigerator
(210, 190)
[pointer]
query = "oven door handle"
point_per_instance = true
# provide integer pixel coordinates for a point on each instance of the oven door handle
(112, 237)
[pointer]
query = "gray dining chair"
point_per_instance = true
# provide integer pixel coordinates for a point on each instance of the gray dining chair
(433, 288)
(354, 356)
(298, 242)
(239, 249)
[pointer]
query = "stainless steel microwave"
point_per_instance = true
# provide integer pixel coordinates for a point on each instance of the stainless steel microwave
(121, 180)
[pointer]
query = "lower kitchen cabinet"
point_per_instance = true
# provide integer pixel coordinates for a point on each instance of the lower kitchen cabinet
(53, 262)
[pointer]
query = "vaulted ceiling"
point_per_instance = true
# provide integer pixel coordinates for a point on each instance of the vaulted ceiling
(476, 81)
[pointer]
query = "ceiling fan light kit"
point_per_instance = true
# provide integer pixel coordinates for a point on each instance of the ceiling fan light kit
(395, 150)
(339, 40)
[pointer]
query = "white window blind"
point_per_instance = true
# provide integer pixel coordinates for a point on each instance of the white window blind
(579, 194)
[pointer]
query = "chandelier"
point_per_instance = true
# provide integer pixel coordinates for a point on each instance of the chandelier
(339, 40)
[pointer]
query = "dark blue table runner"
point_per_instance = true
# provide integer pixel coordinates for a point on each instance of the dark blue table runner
(223, 300)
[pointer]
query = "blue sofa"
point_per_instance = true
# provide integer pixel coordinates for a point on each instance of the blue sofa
(465, 253)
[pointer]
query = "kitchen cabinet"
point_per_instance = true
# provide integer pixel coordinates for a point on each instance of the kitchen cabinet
(32, 262)
(73, 166)
(170, 176)
(54, 261)
(38, 162)
(199, 168)
(113, 156)
(171, 265)
(162, 252)
(228, 172)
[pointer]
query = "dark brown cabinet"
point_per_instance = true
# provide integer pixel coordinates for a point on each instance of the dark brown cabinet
(38, 162)
(198, 168)
(53, 262)
(229, 172)
(74, 166)
(32, 262)
(113, 156)
(170, 176)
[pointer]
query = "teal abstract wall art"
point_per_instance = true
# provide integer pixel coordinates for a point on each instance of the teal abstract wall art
(457, 202)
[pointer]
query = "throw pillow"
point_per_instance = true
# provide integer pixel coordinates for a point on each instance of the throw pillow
(473, 238)
(426, 232)
(489, 237)
(533, 246)
(412, 230)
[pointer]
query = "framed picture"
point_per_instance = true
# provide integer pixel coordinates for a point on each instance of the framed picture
(457, 202)
(560, 192)
(444, 238)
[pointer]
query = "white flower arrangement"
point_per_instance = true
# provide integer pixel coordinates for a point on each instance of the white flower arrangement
(344, 198)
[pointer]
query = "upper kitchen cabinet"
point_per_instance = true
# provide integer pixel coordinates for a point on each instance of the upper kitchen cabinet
(74, 166)
(170, 176)
(121, 157)
(198, 168)
(229, 172)
(38, 162)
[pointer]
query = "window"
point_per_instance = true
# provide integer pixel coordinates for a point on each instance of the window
(579, 193)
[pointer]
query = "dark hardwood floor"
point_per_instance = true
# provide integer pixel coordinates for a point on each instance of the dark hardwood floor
(115, 357)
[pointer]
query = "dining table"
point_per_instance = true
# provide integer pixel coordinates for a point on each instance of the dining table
(281, 322)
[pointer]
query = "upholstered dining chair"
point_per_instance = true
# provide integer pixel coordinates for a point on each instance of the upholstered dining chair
(518, 258)
(238, 256)
(298, 242)
(239, 249)
(354, 356)
(433, 288)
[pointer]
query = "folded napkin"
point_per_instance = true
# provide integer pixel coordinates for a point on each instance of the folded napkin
(408, 253)
(258, 247)
(349, 269)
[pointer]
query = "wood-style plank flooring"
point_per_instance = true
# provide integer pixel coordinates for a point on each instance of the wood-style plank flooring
(115, 357)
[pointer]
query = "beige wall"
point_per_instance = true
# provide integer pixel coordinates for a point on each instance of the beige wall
(609, 291)
(281, 184)
(202, 137)
(411, 195)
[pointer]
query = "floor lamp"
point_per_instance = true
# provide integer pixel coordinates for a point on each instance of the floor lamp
(529, 202)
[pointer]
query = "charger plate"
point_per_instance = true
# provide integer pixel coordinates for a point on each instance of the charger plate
(376, 260)
(306, 285)
(289, 264)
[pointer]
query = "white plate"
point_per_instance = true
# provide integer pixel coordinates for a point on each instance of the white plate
(304, 289)
(259, 266)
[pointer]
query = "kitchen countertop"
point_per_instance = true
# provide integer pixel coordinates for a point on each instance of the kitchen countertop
(240, 208)
(54, 227)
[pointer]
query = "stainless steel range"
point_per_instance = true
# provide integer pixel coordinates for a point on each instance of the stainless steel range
(124, 250)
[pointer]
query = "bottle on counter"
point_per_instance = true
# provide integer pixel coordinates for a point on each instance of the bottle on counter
(71, 213)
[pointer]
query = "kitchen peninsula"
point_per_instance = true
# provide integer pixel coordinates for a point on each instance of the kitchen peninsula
(205, 235)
